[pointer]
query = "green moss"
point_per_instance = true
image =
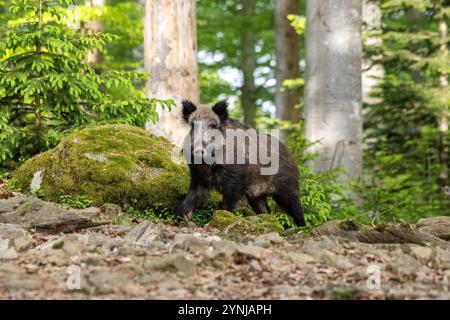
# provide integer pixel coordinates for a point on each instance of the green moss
(109, 164)
(228, 222)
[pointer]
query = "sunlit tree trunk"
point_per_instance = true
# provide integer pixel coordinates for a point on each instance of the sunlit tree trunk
(248, 63)
(170, 45)
(333, 96)
(288, 56)
(95, 57)
(372, 72)
(444, 117)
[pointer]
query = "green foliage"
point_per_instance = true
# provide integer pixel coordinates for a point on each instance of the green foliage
(75, 202)
(46, 88)
(204, 214)
(156, 213)
(323, 195)
(405, 155)
(220, 25)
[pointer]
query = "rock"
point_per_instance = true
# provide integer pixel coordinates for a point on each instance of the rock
(190, 243)
(337, 261)
(226, 221)
(111, 211)
(17, 237)
(268, 239)
(316, 247)
(74, 244)
(174, 263)
(441, 258)
(300, 259)
(109, 164)
(421, 253)
(6, 251)
(144, 234)
(105, 281)
(250, 251)
(19, 282)
(404, 265)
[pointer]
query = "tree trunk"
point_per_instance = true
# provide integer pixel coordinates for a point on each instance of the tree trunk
(392, 233)
(444, 117)
(170, 45)
(333, 96)
(248, 60)
(95, 57)
(288, 57)
(371, 72)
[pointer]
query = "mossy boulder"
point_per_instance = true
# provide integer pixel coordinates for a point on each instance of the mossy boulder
(117, 164)
(260, 224)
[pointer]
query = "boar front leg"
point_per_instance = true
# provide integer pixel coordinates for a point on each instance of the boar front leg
(197, 195)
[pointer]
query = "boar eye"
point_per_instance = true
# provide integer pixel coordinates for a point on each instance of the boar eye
(214, 125)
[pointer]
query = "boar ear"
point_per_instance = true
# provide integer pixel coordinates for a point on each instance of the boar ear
(188, 108)
(220, 108)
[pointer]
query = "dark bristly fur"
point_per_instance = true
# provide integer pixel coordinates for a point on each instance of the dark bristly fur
(237, 180)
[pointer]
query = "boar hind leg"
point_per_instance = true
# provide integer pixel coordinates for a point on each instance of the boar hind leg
(259, 205)
(290, 203)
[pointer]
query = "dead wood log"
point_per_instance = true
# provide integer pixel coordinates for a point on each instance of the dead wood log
(437, 226)
(393, 233)
(32, 213)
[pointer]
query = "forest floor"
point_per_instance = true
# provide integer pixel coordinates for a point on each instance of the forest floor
(155, 261)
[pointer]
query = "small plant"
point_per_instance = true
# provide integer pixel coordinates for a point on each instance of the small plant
(38, 193)
(74, 202)
(48, 89)
(203, 215)
(156, 213)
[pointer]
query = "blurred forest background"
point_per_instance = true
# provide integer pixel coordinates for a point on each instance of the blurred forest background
(363, 85)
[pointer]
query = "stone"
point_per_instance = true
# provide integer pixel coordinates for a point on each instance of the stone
(248, 252)
(190, 243)
(268, 239)
(105, 281)
(109, 164)
(17, 237)
(111, 211)
(228, 222)
(421, 253)
(174, 263)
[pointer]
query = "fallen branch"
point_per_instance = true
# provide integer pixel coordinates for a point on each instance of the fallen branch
(395, 233)
(32, 213)
(437, 226)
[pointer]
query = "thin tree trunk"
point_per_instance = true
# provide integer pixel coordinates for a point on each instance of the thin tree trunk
(249, 63)
(444, 117)
(288, 57)
(333, 96)
(95, 57)
(170, 46)
(371, 72)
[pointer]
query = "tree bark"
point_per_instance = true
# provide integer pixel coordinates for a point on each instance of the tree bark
(248, 63)
(372, 72)
(395, 233)
(95, 57)
(444, 116)
(170, 45)
(288, 57)
(333, 97)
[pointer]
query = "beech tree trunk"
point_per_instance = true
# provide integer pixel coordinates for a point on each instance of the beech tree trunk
(288, 57)
(170, 45)
(248, 63)
(371, 72)
(95, 57)
(444, 117)
(333, 95)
